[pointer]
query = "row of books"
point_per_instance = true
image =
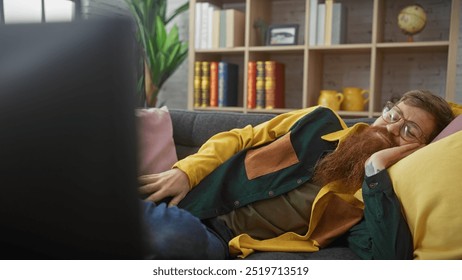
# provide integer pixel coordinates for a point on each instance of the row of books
(218, 28)
(327, 23)
(215, 84)
(265, 85)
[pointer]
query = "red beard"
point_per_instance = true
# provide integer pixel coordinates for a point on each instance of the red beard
(346, 163)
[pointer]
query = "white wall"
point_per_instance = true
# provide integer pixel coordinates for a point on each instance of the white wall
(174, 93)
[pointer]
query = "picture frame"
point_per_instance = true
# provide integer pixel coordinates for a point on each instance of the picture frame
(282, 35)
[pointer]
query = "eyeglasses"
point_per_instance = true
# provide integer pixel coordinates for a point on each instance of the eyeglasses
(409, 130)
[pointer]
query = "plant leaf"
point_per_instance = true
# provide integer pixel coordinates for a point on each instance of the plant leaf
(161, 33)
(171, 39)
(183, 8)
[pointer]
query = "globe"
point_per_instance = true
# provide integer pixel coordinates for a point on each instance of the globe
(412, 19)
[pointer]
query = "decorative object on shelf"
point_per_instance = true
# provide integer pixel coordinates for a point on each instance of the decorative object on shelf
(163, 51)
(261, 28)
(412, 20)
(354, 99)
(331, 98)
(282, 34)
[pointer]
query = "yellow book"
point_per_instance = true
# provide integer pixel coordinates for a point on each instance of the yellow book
(260, 85)
(197, 83)
(205, 84)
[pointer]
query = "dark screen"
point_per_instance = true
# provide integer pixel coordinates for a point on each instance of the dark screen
(67, 141)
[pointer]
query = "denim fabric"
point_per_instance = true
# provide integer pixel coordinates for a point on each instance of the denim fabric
(175, 233)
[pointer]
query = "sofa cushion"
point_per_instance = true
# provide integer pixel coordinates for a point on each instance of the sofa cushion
(192, 128)
(428, 184)
(156, 148)
(453, 127)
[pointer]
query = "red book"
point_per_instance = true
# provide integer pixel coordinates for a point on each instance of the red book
(214, 84)
(274, 84)
(251, 85)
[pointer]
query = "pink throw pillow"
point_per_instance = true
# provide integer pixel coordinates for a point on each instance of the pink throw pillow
(156, 148)
(451, 128)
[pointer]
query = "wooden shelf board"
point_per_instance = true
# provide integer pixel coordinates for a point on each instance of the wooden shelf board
(344, 48)
(280, 49)
(221, 50)
(415, 46)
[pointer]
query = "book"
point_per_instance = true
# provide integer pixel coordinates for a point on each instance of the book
(231, 28)
(251, 84)
(222, 30)
(235, 27)
(197, 83)
(260, 85)
(198, 26)
(313, 21)
(320, 24)
(216, 29)
(274, 85)
(338, 24)
(227, 84)
(328, 22)
(205, 84)
(204, 25)
(210, 23)
(213, 84)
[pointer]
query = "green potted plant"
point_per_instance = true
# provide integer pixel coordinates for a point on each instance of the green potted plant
(163, 50)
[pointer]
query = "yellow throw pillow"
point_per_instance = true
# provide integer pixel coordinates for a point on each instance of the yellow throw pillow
(429, 185)
(456, 108)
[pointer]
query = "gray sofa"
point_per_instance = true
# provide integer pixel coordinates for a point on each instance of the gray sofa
(192, 128)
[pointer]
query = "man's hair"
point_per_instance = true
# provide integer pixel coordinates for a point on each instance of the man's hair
(433, 104)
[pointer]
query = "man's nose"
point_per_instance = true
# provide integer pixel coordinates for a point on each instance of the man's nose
(394, 128)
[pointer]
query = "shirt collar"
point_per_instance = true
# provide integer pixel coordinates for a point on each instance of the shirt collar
(340, 135)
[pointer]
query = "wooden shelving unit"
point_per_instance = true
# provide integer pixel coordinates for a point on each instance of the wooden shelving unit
(375, 56)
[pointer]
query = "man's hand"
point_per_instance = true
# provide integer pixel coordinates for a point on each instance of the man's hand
(172, 183)
(386, 158)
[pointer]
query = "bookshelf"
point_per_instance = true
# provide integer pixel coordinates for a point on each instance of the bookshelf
(374, 56)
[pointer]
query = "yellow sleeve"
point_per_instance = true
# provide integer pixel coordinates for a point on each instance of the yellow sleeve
(224, 145)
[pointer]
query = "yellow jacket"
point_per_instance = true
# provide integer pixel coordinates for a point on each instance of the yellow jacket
(334, 210)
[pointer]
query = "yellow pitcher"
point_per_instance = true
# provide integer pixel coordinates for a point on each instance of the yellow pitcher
(331, 99)
(354, 99)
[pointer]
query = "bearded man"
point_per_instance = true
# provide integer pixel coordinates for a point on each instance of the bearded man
(294, 183)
